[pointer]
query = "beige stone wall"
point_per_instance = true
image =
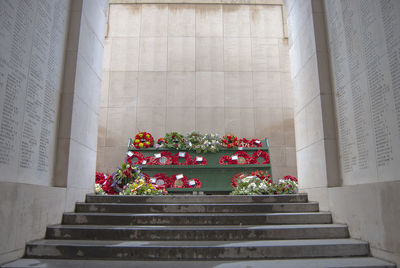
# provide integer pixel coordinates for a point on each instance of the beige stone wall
(210, 68)
(26, 208)
(369, 209)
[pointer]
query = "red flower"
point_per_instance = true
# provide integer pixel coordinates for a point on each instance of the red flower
(289, 177)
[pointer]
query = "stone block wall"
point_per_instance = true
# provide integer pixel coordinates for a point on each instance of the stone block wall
(55, 49)
(347, 131)
(185, 67)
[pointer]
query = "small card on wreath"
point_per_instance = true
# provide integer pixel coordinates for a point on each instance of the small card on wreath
(129, 153)
(192, 182)
(258, 142)
(240, 148)
(199, 159)
(179, 176)
(182, 154)
(157, 155)
(235, 157)
(153, 180)
(144, 162)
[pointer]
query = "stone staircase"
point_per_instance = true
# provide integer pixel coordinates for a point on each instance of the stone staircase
(198, 231)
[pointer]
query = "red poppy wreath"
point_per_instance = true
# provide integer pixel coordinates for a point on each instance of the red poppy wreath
(185, 155)
(163, 159)
(243, 158)
(258, 154)
(137, 155)
(199, 160)
(178, 181)
(193, 183)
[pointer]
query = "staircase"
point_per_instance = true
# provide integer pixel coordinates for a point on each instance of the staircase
(198, 231)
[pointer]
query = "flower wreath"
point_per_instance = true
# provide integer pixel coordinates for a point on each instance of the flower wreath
(226, 160)
(243, 158)
(194, 140)
(164, 160)
(289, 177)
(161, 180)
(137, 155)
(235, 178)
(174, 140)
(196, 185)
(257, 154)
(178, 183)
(200, 163)
(244, 143)
(263, 175)
(229, 141)
(175, 159)
(255, 143)
(143, 139)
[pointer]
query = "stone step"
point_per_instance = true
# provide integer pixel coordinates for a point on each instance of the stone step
(216, 233)
(203, 199)
(197, 218)
(355, 262)
(197, 208)
(201, 250)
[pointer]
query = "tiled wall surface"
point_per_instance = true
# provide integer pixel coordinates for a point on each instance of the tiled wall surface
(210, 68)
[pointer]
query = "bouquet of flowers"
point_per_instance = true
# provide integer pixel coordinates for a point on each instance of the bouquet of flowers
(174, 140)
(140, 187)
(253, 185)
(209, 143)
(127, 173)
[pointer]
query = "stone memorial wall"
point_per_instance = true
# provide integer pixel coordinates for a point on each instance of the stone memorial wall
(364, 39)
(210, 68)
(32, 44)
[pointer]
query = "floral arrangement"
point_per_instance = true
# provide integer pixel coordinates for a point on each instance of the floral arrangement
(104, 184)
(141, 187)
(199, 160)
(235, 179)
(230, 141)
(289, 177)
(194, 140)
(161, 180)
(174, 140)
(143, 140)
(262, 174)
(194, 183)
(209, 143)
(185, 155)
(253, 185)
(243, 158)
(132, 155)
(127, 173)
(258, 154)
(161, 158)
(179, 181)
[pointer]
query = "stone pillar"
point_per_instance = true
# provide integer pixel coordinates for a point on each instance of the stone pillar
(316, 143)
